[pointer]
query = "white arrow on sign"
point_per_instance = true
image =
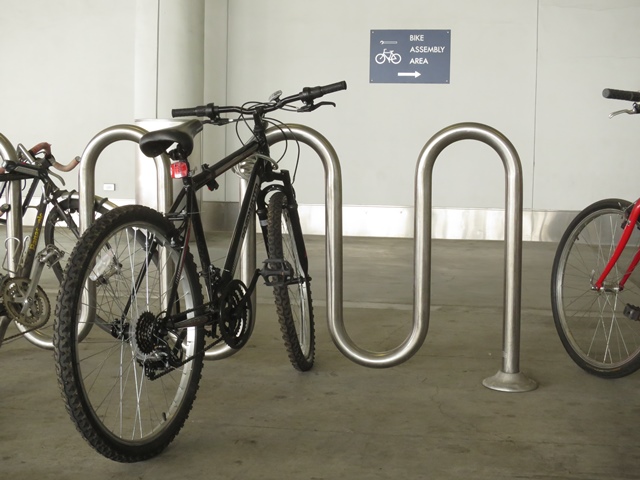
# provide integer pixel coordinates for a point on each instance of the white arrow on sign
(409, 74)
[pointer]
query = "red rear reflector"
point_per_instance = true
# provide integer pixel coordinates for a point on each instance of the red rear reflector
(179, 169)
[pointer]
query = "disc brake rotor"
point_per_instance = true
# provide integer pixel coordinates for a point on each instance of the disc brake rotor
(30, 312)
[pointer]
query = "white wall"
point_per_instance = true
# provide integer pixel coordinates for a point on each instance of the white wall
(581, 155)
(533, 69)
(377, 129)
(68, 73)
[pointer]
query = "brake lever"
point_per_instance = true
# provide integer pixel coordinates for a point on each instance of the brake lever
(58, 177)
(631, 111)
(310, 107)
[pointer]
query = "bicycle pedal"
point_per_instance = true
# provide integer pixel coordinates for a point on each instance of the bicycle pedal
(632, 312)
(276, 272)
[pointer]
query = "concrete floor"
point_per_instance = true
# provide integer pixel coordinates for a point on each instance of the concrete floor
(257, 418)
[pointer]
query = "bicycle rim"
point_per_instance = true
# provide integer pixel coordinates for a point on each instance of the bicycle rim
(592, 324)
(106, 376)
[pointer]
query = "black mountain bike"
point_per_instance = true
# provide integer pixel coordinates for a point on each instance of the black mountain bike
(130, 382)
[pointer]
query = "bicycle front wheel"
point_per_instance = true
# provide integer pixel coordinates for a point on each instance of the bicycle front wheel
(292, 288)
(591, 324)
(130, 382)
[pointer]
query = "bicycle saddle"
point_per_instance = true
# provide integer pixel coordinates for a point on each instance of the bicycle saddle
(156, 143)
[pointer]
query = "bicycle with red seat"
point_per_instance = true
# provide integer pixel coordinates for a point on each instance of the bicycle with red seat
(130, 382)
(595, 286)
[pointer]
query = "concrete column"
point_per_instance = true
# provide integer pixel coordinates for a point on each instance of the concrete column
(169, 73)
(169, 56)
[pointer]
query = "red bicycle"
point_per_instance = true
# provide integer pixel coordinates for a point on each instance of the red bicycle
(595, 288)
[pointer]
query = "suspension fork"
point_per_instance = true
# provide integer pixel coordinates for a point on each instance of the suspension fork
(292, 210)
(626, 234)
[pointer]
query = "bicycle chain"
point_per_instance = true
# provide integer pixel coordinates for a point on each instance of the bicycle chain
(17, 335)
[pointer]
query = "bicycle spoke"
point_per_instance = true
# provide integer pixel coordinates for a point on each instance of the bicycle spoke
(590, 322)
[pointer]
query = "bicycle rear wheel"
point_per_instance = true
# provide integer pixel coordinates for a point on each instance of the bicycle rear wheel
(130, 382)
(293, 293)
(591, 324)
(60, 230)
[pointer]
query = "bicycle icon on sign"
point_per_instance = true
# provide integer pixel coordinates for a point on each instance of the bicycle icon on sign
(388, 56)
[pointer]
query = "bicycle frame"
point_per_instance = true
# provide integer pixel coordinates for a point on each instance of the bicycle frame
(626, 234)
(27, 261)
(254, 199)
(7, 177)
(24, 267)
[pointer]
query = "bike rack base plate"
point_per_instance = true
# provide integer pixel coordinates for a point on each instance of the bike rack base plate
(510, 382)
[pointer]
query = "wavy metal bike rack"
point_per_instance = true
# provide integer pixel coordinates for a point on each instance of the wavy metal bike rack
(509, 378)
(87, 177)
(14, 221)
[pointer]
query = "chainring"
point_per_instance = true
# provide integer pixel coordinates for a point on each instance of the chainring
(236, 315)
(14, 296)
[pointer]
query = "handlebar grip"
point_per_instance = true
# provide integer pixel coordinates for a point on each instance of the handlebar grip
(621, 95)
(201, 111)
(183, 112)
(334, 87)
(311, 93)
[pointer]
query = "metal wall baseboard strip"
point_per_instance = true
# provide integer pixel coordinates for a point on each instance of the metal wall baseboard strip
(397, 222)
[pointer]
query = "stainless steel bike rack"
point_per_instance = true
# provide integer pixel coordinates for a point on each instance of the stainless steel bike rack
(507, 379)
(94, 148)
(14, 222)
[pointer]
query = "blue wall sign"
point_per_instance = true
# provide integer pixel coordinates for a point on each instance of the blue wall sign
(410, 56)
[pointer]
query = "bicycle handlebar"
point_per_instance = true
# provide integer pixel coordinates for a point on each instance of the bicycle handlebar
(65, 168)
(31, 164)
(307, 96)
(48, 159)
(627, 95)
